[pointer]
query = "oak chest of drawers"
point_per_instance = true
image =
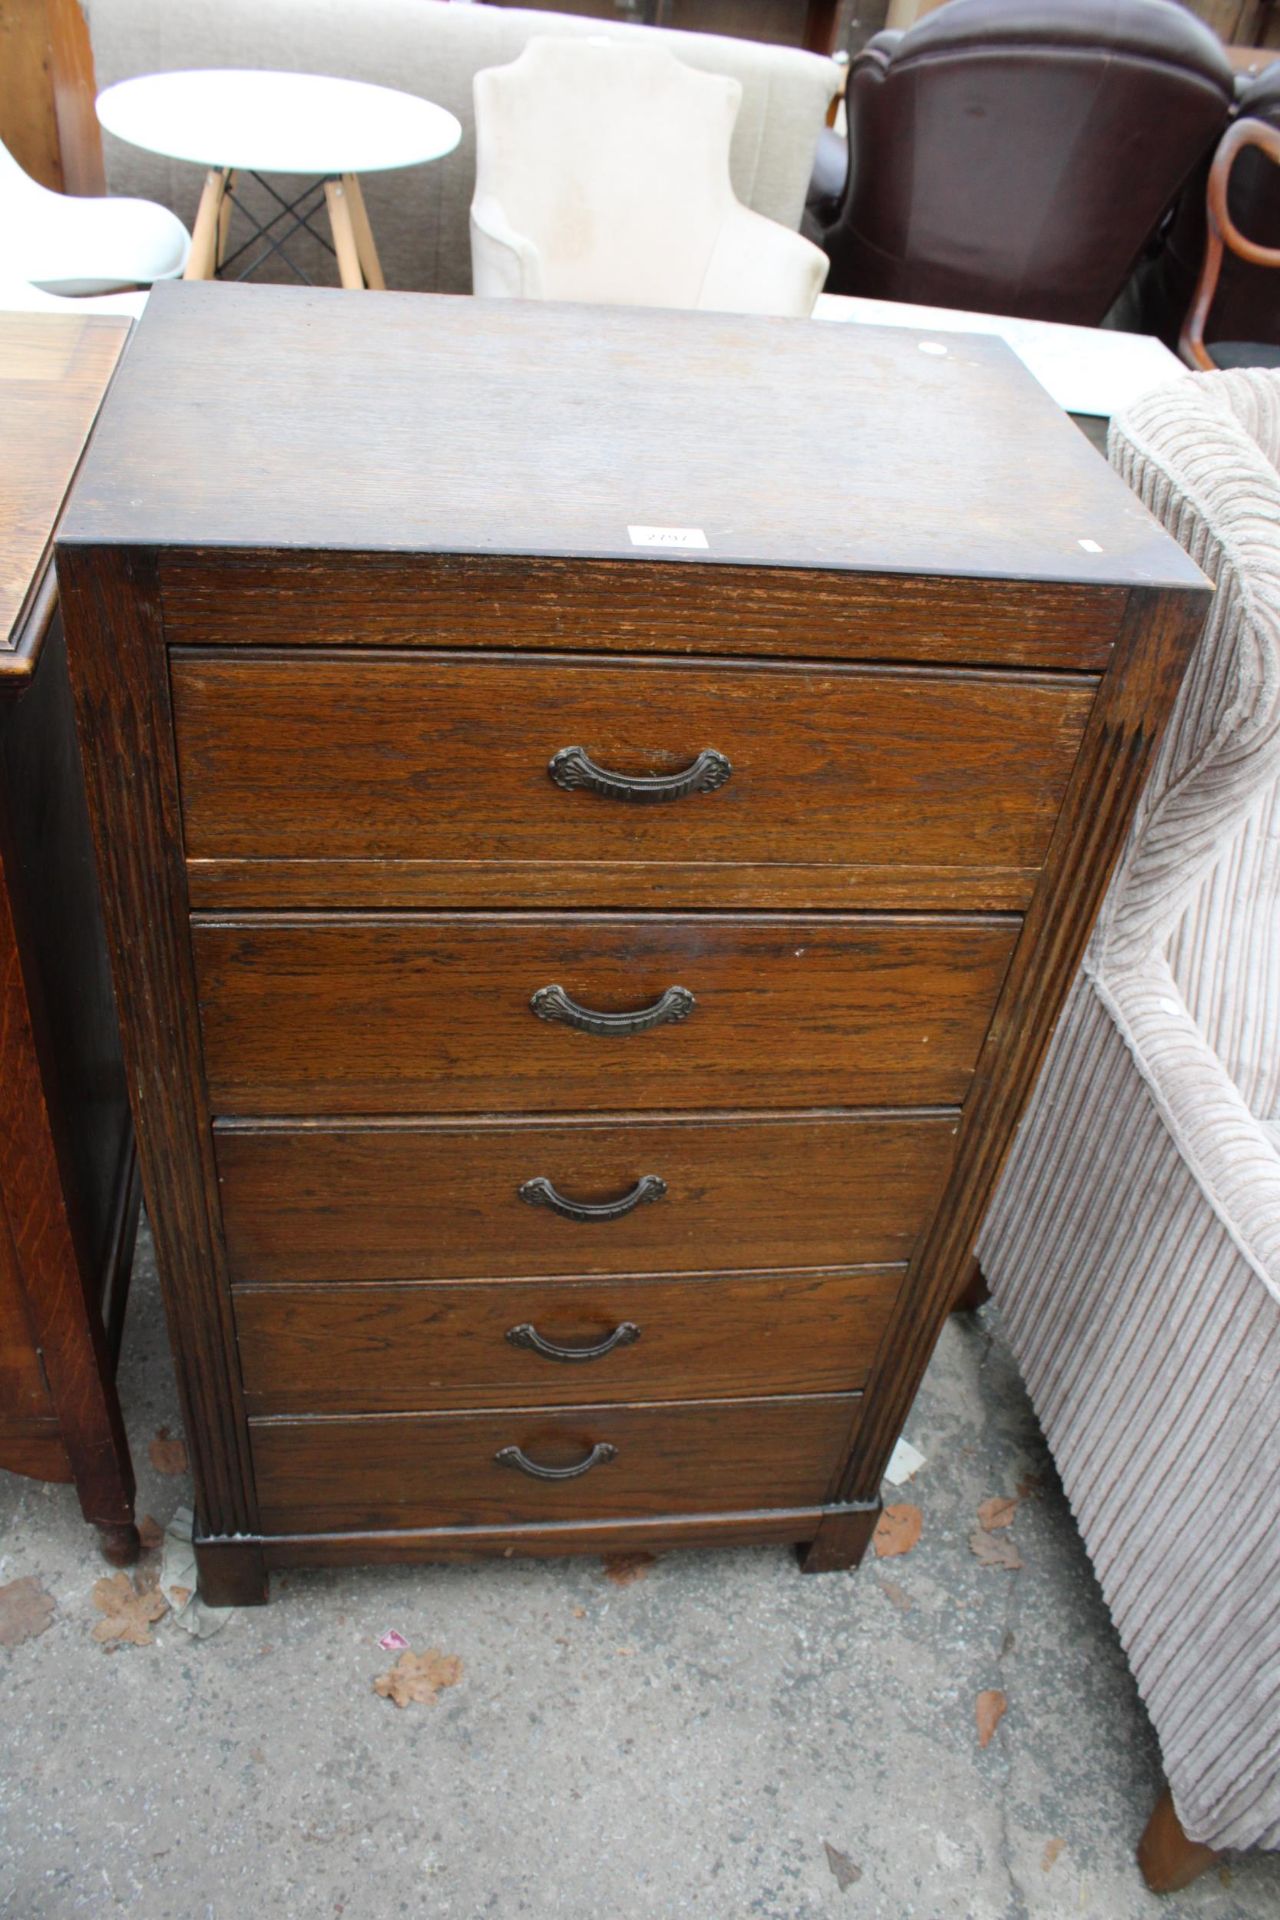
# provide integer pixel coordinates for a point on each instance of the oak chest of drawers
(598, 811)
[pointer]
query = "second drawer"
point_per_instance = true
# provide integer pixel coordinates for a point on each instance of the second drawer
(388, 1349)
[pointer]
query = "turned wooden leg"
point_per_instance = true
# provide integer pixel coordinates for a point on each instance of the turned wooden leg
(974, 1291)
(203, 257)
(366, 250)
(231, 1573)
(350, 272)
(120, 1546)
(842, 1538)
(1168, 1859)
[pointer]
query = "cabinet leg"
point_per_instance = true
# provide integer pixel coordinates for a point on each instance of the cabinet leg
(1169, 1860)
(842, 1538)
(974, 1291)
(231, 1573)
(120, 1546)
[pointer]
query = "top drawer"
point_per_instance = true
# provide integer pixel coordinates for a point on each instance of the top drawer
(313, 778)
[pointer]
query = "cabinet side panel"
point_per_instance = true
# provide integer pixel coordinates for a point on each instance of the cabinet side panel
(119, 678)
(1128, 720)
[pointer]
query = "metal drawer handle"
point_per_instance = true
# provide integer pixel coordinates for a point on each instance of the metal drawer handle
(625, 1335)
(573, 768)
(553, 1003)
(517, 1457)
(541, 1193)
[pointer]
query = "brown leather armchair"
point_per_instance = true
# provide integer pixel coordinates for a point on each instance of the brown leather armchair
(1015, 156)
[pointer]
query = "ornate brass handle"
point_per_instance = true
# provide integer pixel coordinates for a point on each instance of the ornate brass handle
(625, 1335)
(541, 1193)
(553, 1003)
(517, 1457)
(573, 768)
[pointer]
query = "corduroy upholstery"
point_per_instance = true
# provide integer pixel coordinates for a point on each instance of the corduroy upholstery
(1134, 1243)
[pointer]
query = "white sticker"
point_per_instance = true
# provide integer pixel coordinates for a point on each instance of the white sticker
(667, 536)
(1090, 546)
(930, 346)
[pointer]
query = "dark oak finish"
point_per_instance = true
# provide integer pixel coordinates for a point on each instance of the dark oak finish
(387, 1349)
(68, 1179)
(430, 1013)
(440, 1469)
(442, 759)
(323, 657)
(360, 600)
(398, 1201)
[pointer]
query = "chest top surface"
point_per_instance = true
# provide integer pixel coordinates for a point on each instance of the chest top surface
(54, 369)
(270, 418)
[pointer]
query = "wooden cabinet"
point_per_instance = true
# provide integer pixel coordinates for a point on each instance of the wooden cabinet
(594, 844)
(68, 1183)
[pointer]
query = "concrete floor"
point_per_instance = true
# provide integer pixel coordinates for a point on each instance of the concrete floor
(689, 1744)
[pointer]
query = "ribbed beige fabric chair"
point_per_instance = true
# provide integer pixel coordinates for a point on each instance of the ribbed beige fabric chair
(1134, 1244)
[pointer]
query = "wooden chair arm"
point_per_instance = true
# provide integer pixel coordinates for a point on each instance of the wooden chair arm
(1221, 230)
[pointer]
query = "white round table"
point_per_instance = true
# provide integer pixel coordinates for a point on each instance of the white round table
(331, 130)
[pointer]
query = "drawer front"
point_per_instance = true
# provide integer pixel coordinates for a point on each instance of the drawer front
(441, 760)
(384, 1349)
(428, 1470)
(457, 1201)
(433, 1013)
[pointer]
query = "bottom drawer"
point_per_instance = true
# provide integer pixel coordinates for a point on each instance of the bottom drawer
(426, 1470)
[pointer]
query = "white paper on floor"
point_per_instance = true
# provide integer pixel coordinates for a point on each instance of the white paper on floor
(178, 1581)
(904, 1463)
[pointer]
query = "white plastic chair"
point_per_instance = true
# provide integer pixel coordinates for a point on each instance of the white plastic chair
(602, 174)
(64, 245)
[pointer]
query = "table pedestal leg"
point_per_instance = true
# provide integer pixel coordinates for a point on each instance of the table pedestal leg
(370, 265)
(350, 271)
(203, 258)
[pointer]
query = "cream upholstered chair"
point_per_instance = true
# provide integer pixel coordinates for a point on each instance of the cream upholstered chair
(1134, 1243)
(602, 174)
(68, 245)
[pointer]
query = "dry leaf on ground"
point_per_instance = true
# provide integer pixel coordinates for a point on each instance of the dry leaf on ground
(130, 1609)
(898, 1531)
(150, 1533)
(990, 1712)
(1052, 1849)
(623, 1568)
(899, 1595)
(25, 1610)
(168, 1454)
(998, 1511)
(419, 1676)
(994, 1550)
(846, 1871)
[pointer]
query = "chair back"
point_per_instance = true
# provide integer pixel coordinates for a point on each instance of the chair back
(613, 160)
(1015, 156)
(1223, 234)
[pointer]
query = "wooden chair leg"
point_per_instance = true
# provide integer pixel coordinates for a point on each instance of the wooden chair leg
(224, 217)
(350, 272)
(370, 265)
(1168, 1859)
(121, 1546)
(974, 1291)
(203, 257)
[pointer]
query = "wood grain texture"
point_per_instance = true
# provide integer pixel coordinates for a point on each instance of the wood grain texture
(47, 91)
(551, 428)
(54, 371)
(430, 1013)
(386, 1349)
(396, 1470)
(1124, 732)
(360, 600)
(443, 758)
(120, 682)
(416, 1201)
